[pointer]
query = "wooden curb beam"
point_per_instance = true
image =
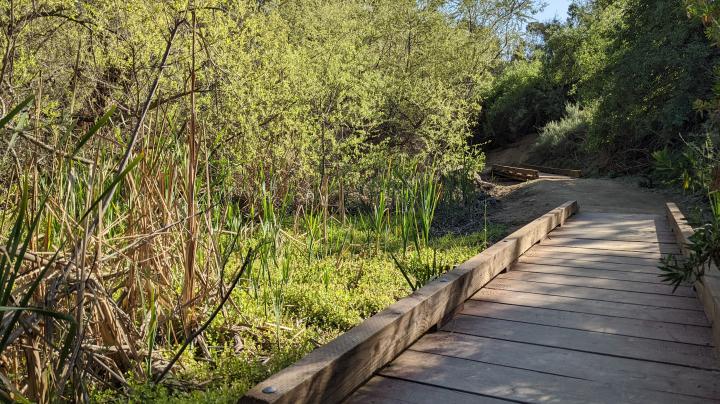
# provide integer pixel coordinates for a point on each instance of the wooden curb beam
(516, 173)
(552, 170)
(330, 373)
(709, 289)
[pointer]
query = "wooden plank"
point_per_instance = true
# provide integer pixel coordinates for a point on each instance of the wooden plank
(517, 173)
(385, 390)
(516, 384)
(645, 299)
(561, 250)
(665, 248)
(618, 227)
(553, 170)
(577, 305)
(331, 372)
(621, 221)
(648, 237)
(600, 283)
(608, 344)
(709, 288)
(606, 369)
(630, 264)
(619, 216)
(601, 272)
(590, 322)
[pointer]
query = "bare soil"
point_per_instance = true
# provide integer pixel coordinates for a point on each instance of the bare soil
(521, 202)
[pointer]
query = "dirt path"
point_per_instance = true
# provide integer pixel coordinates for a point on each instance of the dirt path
(520, 203)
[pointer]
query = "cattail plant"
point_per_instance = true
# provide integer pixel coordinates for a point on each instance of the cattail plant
(379, 214)
(428, 194)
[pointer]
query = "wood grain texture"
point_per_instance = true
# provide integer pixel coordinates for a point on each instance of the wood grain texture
(606, 369)
(580, 260)
(644, 299)
(630, 327)
(599, 283)
(553, 170)
(586, 341)
(333, 371)
(600, 272)
(599, 234)
(648, 257)
(517, 383)
(638, 246)
(517, 173)
(385, 390)
(577, 305)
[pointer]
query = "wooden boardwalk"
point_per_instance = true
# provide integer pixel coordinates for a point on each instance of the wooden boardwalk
(580, 317)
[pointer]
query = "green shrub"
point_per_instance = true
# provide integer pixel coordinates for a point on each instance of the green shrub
(562, 142)
(521, 101)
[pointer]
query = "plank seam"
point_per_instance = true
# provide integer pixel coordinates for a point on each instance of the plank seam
(716, 370)
(586, 312)
(581, 329)
(591, 277)
(597, 300)
(380, 374)
(600, 288)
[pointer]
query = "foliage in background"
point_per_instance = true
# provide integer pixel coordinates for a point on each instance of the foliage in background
(522, 100)
(637, 67)
(561, 143)
(169, 139)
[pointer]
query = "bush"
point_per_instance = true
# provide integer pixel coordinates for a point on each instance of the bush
(522, 100)
(562, 142)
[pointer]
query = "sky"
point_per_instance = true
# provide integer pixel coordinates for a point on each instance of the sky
(554, 8)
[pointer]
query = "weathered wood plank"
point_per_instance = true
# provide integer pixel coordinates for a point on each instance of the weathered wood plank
(586, 341)
(598, 234)
(607, 253)
(606, 369)
(384, 390)
(601, 272)
(517, 173)
(619, 216)
(665, 248)
(554, 170)
(577, 305)
(516, 384)
(630, 264)
(645, 299)
(590, 322)
(616, 227)
(330, 373)
(600, 283)
(635, 222)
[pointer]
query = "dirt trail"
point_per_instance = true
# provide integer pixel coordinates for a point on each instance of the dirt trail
(519, 203)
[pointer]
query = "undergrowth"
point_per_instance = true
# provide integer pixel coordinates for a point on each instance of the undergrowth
(243, 341)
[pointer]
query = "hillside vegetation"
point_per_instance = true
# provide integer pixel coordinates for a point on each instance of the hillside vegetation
(615, 82)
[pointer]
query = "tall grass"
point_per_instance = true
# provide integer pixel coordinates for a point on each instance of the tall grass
(95, 268)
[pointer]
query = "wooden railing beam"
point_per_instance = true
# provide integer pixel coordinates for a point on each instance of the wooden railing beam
(333, 371)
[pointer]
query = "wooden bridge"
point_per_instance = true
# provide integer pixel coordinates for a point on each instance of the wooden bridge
(567, 309)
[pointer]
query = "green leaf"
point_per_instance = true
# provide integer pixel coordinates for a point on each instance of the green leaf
(7, 118)
(98, 124)
(112, 185)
